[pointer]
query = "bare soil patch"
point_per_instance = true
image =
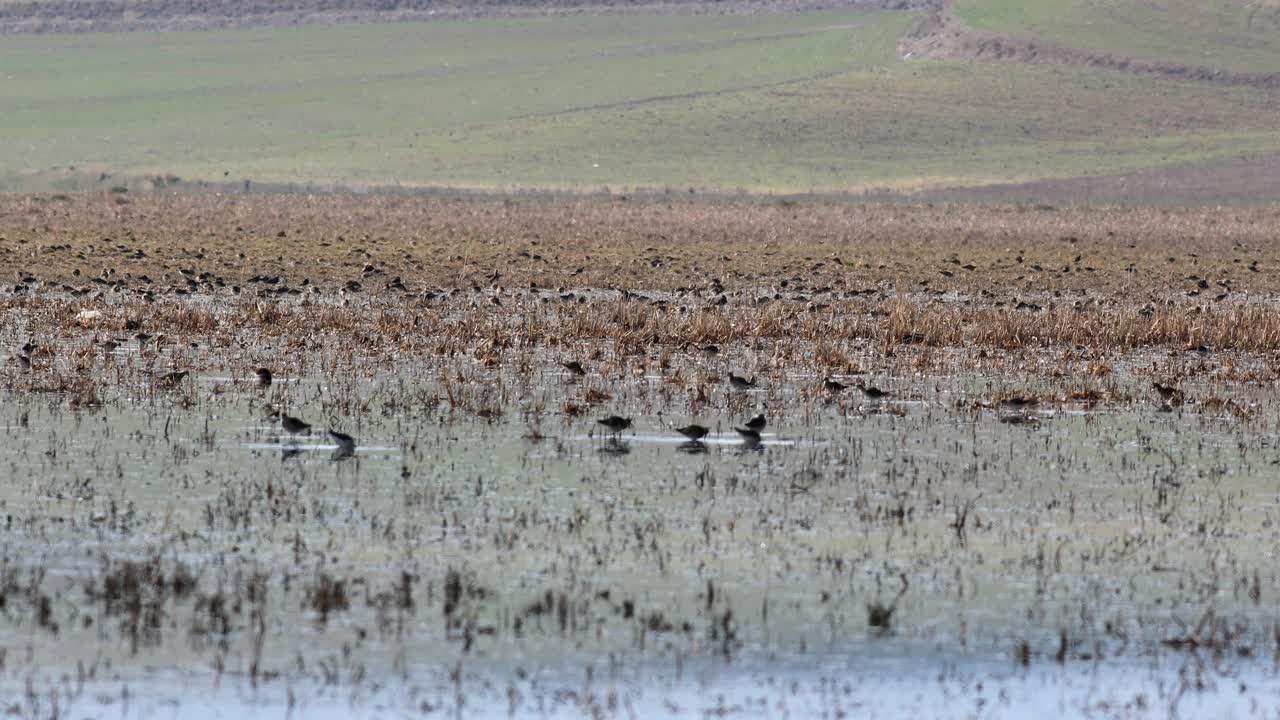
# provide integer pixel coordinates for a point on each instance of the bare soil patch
(1234, 180)
(670, 272)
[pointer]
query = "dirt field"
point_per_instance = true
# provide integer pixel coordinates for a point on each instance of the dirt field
(677, 271)
(1229, 181)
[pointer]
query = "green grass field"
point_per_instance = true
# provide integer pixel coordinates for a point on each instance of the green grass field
(1239, 35)
(796, 102)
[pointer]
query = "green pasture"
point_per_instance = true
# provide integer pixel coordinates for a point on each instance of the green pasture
(798, 102)
(1238, 35)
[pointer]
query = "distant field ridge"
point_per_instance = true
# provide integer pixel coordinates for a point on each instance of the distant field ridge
(64, 16)
(938, 34)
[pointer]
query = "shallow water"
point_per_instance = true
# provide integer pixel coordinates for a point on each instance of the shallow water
(526, 564)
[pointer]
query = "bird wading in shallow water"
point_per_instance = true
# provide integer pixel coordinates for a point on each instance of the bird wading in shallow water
(293, 425)
(615, 424)
(740, 383)
(264, 377)
(757, 423)
(693, 432)
(1168, 393)
(872, 393)
(346, 445)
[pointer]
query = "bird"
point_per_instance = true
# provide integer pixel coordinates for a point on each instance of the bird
(741, 383)
(833, 386)
(29, 347)
(346, 444)
(293, 425)
(873, 393)
(693, 432)
(757, 423)
(264, 376)
(615, 424)
(574, 367)
(1167, 392)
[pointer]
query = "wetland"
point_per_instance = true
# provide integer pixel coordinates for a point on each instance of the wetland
(1062, 500)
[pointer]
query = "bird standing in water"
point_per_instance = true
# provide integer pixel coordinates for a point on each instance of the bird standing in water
(740, 383)
(1167, 392)
(693, 432)
(346, 445)
(264, 377)
(757, 423)
(293, 425)
(872, 393)
(615, 424)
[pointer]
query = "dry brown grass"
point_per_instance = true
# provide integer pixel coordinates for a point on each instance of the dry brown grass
(519, 283)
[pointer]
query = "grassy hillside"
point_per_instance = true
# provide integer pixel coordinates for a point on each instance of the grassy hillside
(784, 102)
(1238, 35)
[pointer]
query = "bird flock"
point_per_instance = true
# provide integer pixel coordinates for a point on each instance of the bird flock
(751, 430)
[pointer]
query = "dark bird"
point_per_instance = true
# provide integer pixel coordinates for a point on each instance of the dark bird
(833, 386)
(1167, 392)
(293, 425)
(615, 424)
(873, 393)
(29, 348)
(264, 376)
(346, 445)
(740, 383)
(693, 432)
(757, 423)
(574, 367)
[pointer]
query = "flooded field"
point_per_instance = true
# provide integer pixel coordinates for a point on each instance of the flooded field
(989, 542)
(958, 505)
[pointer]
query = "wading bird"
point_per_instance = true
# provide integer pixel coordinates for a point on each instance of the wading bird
(615, 424)
(693, 432)
(264, 376)
(346, 445)
(293, 425)
(740, 383)
(873, 393)
(757, 423)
